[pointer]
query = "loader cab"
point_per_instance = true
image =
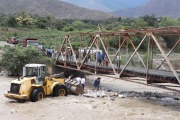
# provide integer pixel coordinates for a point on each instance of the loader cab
(34, 70)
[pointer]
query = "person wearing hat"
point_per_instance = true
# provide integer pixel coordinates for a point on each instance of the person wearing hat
(97, 83)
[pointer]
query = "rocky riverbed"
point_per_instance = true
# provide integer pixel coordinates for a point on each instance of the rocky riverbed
(117, 100)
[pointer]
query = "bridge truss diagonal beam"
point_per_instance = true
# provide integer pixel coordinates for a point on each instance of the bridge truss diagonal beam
(166, 58)
(169, 53)
(132, 55)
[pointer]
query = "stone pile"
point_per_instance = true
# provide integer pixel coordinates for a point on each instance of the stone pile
(111, 95)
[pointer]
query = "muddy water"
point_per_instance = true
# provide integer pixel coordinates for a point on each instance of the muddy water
(83, 108)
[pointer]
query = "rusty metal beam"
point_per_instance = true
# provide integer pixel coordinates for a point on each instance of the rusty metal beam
(73, 52)
(66, 38)
(137, 53)
(132, 55)
(119, 49)
(108, 56)
(147, 72)
(169, 53)
(135, 32)
(88, 51)
(61, 49)
(166, 58)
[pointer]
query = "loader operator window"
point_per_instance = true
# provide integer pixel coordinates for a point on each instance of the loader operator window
(31, 72)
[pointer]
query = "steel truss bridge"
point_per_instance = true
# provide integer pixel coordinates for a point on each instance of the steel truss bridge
(126, 42)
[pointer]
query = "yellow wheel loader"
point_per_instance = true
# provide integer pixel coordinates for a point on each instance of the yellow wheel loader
(34, 85)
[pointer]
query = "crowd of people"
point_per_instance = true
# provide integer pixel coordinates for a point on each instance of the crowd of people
(102, 58)
(50, 52)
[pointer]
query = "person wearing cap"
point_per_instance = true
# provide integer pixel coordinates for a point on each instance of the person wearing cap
(96, 83)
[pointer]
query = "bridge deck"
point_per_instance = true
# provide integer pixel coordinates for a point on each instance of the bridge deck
(153, 75)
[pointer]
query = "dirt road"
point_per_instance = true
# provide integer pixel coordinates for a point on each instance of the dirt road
(3, 43)
(85, 108)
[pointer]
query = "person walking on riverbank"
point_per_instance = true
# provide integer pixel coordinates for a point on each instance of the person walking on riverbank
(96, 83)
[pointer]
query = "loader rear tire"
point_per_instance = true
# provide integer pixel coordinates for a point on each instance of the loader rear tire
(37, 94)
(60, 90)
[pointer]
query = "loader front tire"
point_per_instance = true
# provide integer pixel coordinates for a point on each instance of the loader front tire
(37, 94)
(60, 90)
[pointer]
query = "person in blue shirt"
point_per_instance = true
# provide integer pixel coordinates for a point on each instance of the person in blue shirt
(99, 56)
(48, 52)
(97, 83)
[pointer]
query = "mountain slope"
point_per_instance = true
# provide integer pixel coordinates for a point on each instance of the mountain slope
(56, 8)
(158, 7)
(107, 5)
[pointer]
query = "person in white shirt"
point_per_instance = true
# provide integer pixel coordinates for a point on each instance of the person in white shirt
(118, 61)
(83, 80)
(78, 79)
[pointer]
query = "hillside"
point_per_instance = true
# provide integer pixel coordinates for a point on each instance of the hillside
(56, 8)
(106, 5)
(158, 7)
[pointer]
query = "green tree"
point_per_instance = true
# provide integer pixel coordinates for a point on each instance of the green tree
(151, 20)
(15, 58)
(24, 19)
(139, 23)
(166, 21)
(43, 22)
(78, 25)
(50, 21)
(59, 24)
(8, 21)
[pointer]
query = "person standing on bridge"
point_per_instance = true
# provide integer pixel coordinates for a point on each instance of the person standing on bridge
(48, 52)
(71, 55)
(99, 56)
(106, 60)
(77, 55)
(103, 56)
(68, 53)
(84, 54)
(118, 61)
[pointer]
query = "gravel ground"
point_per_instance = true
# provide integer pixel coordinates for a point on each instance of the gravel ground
(125, 101)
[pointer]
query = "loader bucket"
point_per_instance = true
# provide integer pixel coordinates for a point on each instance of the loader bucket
(73, 86)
